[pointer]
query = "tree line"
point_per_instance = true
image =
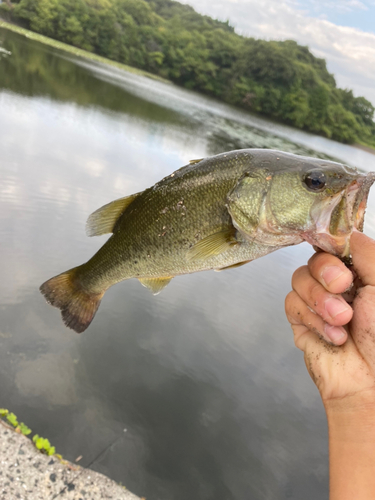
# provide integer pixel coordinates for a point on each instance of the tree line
(281, 80)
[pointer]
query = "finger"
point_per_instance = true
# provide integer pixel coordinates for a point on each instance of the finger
(363, 255)
(363, 324)
(310, 344)
(298, 313)
(330, 272)
(307, 342)
(332, 308)
(302, 336)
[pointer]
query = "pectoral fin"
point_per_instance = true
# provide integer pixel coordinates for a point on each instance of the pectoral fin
(214, 244)
(103, 220)
(155, 285)
(193, 162)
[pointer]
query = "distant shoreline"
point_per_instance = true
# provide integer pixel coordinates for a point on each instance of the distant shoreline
(364, 148)
(76, 51)
(103, 60)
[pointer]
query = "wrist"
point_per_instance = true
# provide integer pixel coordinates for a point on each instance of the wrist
(351, 429)
(356, 412)
(362, 401)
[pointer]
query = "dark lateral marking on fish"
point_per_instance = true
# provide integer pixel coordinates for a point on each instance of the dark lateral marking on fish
(233, 266)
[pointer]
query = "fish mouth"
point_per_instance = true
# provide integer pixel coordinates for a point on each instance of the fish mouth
(360, 203)
(336, 218)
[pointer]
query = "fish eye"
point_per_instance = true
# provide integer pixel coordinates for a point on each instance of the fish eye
(315, 180)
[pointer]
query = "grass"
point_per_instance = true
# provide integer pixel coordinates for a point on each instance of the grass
(75, 51)
(41, 444)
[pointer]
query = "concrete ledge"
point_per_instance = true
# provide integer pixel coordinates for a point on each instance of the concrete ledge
(27, 474)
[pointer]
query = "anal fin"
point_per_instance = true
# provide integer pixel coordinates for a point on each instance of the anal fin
(155, 285)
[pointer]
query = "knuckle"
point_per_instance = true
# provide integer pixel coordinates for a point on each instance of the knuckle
(316, 290)
(289, 300)
(324, 261)
(299, 274)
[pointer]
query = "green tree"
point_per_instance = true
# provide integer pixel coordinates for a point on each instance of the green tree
(282, 80)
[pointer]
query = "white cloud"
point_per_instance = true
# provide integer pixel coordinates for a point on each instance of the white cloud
(339, 5)
(349, 52)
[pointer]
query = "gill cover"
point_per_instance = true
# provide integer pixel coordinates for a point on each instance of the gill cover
(246, 200)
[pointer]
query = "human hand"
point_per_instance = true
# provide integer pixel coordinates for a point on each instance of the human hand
(338, 340)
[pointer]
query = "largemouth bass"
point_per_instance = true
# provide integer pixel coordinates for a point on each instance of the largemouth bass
(216, 213)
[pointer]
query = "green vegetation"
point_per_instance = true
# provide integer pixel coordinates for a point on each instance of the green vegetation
(41, 443)
(281, 80)
(73, 50)
(12, 419)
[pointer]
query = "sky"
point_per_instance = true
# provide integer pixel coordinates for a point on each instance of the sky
(340, 31)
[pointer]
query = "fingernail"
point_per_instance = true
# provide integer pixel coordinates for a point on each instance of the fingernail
(334, 333)
(334, 307)
(331, 273)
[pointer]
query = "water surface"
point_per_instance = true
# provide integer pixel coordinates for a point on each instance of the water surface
(196, 393)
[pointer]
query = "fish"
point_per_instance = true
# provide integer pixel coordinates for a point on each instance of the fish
(215, 213)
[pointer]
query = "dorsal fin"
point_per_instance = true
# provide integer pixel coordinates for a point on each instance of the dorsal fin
(103, 220)
(212, 245)
(155, 285)
(193, 162)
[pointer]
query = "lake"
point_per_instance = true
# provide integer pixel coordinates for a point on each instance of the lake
(196, 393)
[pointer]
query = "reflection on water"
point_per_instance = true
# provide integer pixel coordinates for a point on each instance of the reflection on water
(195, 393)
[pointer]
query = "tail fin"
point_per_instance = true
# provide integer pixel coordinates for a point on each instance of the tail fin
(78, 307)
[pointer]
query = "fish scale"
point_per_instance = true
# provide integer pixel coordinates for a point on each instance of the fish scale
(138, 234)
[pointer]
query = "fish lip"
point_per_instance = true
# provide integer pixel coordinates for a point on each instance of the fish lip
(359, 205)
(356, 195)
